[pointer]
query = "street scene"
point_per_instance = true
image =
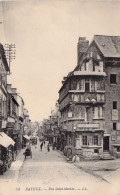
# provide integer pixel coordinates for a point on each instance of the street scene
(59, 97)
(51, 170)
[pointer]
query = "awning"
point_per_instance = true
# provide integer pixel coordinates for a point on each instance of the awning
(26, 137)
(5, 140)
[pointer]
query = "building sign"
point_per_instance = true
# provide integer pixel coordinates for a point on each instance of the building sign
(88, 125)
(113, 137)
(69, 114)
(114, 114)
(118, 126)
(4, 123)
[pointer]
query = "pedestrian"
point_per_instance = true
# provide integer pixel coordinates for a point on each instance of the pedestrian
(41, 145)
(48, 148)
(44, 143)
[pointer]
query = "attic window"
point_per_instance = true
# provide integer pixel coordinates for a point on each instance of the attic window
(103, 44)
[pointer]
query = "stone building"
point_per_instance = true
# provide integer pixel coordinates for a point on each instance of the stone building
(90, 99)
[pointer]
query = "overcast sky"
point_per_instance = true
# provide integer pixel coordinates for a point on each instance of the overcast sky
(46, 35)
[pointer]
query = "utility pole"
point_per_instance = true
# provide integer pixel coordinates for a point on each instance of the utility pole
(10, 53)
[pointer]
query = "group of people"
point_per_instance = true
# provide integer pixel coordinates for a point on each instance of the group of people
(48, 146)
(43, 143)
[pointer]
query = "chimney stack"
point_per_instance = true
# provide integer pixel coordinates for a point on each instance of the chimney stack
(82, 47)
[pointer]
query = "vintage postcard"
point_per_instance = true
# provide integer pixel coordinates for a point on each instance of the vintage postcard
(59, 97)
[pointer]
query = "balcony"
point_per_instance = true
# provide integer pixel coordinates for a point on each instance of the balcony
(83, 98)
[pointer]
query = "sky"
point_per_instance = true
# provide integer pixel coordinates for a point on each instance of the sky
(46, 34)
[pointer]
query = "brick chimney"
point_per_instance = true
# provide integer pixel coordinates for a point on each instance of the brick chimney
(82, 47)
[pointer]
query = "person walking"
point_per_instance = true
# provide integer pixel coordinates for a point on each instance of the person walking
(41, 145)
(48, 147)
(44, 143)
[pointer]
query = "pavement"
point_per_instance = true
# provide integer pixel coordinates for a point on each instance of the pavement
(49, 172)
(107, 170)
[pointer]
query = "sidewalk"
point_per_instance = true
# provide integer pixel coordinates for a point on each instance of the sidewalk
(12, 173)
(102, 168)
(105, 169)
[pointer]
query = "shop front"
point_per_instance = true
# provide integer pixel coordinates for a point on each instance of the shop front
(6, 152)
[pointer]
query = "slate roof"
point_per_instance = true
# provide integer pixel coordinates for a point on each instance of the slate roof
(108, 45)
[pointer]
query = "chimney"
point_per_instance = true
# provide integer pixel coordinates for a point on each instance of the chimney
(14, 90)
(82, 47)
(9, 86)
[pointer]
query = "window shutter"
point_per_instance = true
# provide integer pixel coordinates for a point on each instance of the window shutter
(95, 112)
(92, 85)
(81, 84)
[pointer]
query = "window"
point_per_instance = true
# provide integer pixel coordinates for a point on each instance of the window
(81, 84)
(118, 149)
(95, 140)
(87, 85)
(87, 114)
(114, 126)
(73, 85)
(92, 85)
(114, 104)
(96, 151)
(84, 140)
(113, 79)
(98, 112)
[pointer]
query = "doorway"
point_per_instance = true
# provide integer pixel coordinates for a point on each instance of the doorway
(106, 143)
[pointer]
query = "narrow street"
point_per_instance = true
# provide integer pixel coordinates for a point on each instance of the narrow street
(47, 171)
(51, 169)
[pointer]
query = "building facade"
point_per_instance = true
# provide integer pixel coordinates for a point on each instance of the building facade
(90, 99)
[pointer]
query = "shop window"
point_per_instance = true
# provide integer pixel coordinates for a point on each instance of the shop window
(113, 78)
(114, 104)
(84, 139)
(114, 126)
(95, 140)
(96, 151)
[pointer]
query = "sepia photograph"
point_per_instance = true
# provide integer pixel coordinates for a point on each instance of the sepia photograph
(59, 97)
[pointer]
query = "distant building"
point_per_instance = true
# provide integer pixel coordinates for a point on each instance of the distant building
(89, 99)
(4, 70)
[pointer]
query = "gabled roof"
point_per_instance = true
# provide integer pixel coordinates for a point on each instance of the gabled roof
(108, 45)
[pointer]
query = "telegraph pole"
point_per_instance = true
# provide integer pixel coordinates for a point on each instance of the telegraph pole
(10, 53)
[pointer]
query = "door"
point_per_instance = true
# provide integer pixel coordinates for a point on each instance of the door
(106, 143)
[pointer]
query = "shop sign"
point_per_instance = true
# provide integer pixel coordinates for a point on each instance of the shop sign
(88, 125)
(114, 114)
(113, 137)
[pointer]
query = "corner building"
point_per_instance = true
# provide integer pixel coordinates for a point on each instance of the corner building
(90, 99)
